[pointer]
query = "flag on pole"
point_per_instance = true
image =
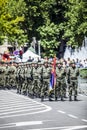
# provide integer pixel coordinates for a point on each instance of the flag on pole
(53, 75)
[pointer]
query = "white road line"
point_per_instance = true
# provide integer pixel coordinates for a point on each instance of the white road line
(19, 124)
(13, 102)
(82, 95)
(26, 114)
(72, 116)
(35, 111)
(20, 108)
(30, 99)
(12, 112)
(18, 105)
(61, 112)
(84, 120)
(62, 128)
(29, 123)
(75, 127)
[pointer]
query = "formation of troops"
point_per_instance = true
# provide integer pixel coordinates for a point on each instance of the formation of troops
(33, 79)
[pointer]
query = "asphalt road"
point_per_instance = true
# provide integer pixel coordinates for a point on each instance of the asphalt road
(18, 112)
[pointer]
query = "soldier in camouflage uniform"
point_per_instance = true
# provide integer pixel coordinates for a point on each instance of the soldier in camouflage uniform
(72, 77)
(19, 76)
(29, 77)
(60, 81)
(2, 75)
(40, 67)
(7, 76)
(12, 75)
(36, 80)
(22, 78)
(46, 73)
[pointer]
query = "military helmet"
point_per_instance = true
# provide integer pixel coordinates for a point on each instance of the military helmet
(59, 62)
(72, 62)
(45, 61)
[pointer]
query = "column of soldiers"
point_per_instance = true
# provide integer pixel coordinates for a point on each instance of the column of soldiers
(33, 79)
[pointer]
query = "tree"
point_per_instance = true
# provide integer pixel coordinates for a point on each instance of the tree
(76, 22)
(11, 18)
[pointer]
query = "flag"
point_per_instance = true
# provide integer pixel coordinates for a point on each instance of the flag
(53, 75)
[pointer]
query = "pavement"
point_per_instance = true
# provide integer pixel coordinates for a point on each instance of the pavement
(19, 112)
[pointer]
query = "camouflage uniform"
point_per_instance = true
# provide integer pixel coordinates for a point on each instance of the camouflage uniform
(12, 76)
(46, 72)
(29, 77)
(36, 79)
(2, 76)
(22, 79)
(60, 82)
(19, 79)
(7, 76)
(72, 73)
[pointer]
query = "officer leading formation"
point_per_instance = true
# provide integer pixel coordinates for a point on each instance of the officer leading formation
(33, 79)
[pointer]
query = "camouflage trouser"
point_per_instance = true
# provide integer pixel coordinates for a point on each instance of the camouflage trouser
(7, 81)
(19, 85)
(45, 89)
(2, 82)
(60, 89)
(73, 89)
(35, 87)
(29, 86)
(12, 81)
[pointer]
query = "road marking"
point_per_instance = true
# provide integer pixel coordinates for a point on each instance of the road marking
(13, 104)
(19, 124)
(61, 112)
(84, 120)
(16, 106)
(62, 128)
(39, 108)
(82, 95)
(36, 108)
(26, 114)
(29, 123)
(28, 107)
(72, 116)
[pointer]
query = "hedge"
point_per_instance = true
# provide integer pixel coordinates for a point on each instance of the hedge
(83, 73)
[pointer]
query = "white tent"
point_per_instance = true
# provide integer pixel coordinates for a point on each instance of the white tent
(28, 54)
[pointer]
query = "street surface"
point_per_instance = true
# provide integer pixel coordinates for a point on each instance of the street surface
(18, 112)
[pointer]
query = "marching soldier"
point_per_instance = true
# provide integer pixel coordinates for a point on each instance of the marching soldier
(60, 81)
(12, 75)
(36, 79)
(72, 74)
(46, 80)
(2, 75)
(29, 78)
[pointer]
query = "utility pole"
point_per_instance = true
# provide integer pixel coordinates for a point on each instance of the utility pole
(39, 50)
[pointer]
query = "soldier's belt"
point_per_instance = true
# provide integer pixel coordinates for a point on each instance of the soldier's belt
(45, 77)
(60, 78)
(73, 78)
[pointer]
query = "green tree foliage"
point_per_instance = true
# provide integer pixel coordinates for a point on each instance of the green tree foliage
(76, 21)
(50, 21)
(49, 40)
(11, 18)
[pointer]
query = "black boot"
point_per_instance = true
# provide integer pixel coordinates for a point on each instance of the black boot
(70, 98)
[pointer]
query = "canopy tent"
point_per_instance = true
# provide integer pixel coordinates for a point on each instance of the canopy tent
(28, 54)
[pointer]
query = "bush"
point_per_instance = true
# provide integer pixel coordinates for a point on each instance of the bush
(83, 73)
